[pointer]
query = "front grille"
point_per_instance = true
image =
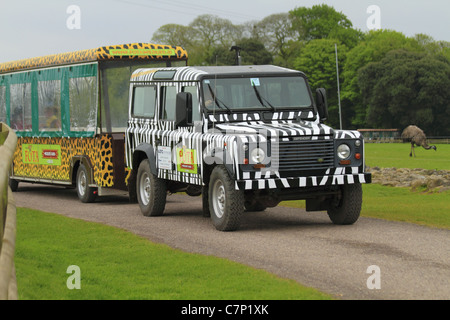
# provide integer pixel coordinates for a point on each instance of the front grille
(300, 155)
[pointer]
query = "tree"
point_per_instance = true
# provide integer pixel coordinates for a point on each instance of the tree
(252, 52)
(407, 88)
(210, 31)
(324, 22)
(200, 37)
(373, 48)
(275, 31)
(318, 60)
(175, 35)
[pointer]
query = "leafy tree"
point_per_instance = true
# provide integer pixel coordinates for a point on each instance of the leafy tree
(275, 31)
(252, 52)
(374, 48)
(407, 88)
(323, 22)
(318, 61)
(200, 37)
(174, 34)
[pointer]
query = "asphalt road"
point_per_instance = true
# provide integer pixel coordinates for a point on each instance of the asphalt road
(413, 262)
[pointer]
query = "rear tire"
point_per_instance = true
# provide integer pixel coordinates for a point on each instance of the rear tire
(226, 204)
(151, 191)
(346, 209)
(14, 185)
(85, 193)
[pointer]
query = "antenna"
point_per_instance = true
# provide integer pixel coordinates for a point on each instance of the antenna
(338, 89)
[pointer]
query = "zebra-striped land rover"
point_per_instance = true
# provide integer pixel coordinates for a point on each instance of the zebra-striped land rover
(243, 137)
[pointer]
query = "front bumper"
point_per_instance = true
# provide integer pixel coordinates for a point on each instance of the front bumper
(303, 182)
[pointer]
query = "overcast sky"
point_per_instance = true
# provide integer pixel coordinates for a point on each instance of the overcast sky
(30, 28)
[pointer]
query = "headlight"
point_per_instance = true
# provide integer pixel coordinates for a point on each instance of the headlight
(258, 155)
(343, 151)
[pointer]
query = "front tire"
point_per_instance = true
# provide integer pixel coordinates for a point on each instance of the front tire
(151, 191)
(226, 204)
(85, 193)
(346, 208)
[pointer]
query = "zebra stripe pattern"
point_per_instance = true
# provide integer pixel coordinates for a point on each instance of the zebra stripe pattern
(220, 137)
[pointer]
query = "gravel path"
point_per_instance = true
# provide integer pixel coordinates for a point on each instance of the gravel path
(413, 261)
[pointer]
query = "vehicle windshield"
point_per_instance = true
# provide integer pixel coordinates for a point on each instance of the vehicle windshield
(269, 93)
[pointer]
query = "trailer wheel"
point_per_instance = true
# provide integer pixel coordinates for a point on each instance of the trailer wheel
(346, 208)
(151, 191)
(14, 185)
(85, 193)
(226, 204)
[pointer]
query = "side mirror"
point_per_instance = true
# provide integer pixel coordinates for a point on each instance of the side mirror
(322, 105)
(183, 109)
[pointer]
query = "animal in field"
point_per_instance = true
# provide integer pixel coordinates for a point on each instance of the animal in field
(416, 136)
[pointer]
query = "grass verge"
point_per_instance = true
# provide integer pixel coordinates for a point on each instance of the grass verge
(388, 155)
(400, 204)
(115, 264)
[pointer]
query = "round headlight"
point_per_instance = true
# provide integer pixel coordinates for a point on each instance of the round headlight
(343, 151)
(258, 155)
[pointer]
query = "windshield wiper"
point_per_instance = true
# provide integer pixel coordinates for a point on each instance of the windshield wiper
(261, 99)
(216, 100)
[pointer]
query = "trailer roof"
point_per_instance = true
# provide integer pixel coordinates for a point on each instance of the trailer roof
(132, 51)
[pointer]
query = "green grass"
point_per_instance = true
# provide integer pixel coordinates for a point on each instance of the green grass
(388, 155)
(116, 264)
(402, 204)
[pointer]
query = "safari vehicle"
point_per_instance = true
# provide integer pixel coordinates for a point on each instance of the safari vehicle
(70, 114)
(245, 137)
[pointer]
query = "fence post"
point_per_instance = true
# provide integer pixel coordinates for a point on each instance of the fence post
(8, 285)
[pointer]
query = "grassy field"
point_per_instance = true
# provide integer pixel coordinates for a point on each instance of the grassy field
(388, 155)
(116, 264)
(402, 204)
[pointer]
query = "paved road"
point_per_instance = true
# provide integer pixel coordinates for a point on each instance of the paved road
(413, 261)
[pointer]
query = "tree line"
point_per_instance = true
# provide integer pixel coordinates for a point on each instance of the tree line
(387, 80)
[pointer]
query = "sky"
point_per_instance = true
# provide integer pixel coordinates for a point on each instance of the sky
(32, 28)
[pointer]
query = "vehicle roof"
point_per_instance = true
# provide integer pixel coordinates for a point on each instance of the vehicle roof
(196, 73)
(131, 51)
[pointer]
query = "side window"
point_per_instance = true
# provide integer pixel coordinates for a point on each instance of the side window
(49, 94)
(195, 103)
(83, 103)
(144, 101)
(168, 102)
(21, 106)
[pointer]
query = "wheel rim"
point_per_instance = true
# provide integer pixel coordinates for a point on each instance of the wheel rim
(219, 198)
(82, 183)
(144, 188)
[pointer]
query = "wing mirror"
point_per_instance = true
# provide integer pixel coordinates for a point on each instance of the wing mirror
(322, 105)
